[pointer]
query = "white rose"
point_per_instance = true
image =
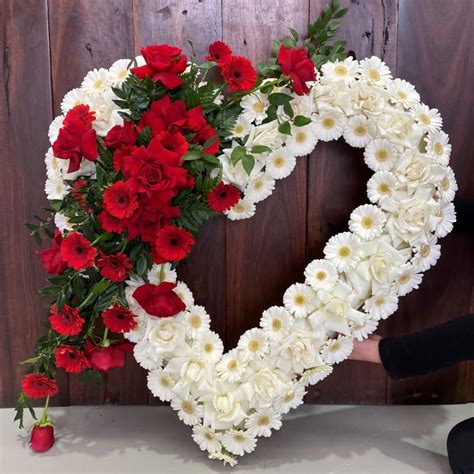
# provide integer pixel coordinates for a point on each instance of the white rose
(263, 384)
(166, 334)
(414, 169)
(106, 113)
(369, 100)
(266, 134)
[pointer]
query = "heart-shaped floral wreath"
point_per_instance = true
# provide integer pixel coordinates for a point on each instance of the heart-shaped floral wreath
(147, 150)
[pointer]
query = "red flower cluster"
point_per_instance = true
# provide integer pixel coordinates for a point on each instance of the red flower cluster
(39, 386)
(114, 267)
(298, 66)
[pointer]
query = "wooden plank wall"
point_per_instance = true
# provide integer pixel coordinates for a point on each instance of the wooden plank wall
(237, 269)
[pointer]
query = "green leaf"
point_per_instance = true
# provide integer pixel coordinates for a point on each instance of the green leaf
(257, 149)
(248, 162)
(141, 265)
(301, 121)
(192, 155)
(211, 159)
(91, 376)
(237, 154)
(288, 109)
(285, 128)
(278, 98)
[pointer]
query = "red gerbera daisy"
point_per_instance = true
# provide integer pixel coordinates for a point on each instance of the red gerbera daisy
(77, 251)
(114, 267)
(110, 223)
(119, 319)
(70, 359)
(39, 386)
(223, 197)
(219, 52)
(239, 73)
(119, 200)
(173, 243)
(66, 322)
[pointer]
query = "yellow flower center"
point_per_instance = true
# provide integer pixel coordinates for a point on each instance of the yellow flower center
(344, 251)
(340, 70)
(254, 345)
(360, 130)
(239, 208)
(438, 148)
(402, 95)
(379, 301)
(381, 155)
(239, 438)
(328, 122)
(98, 84)
(232, 365)
(321, 275)
(122, 74)
(425, 250)
(239, 128)
(278, 161)
(383, 188)
(288, 397)
(263, 421)
(165, 382)
(258, 107)
(195, 321)
(404, 279)
(208, 436)
(445, 183)
(299, 300)
(258, 185)
(425, 119)
(187, 408)
(367, 222)
(335, 347)
(300, 137)
(276, 324)
(208, 347)
(374, 75)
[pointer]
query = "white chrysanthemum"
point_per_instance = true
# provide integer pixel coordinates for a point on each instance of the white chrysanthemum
(408, 281)
(374, 71)
(184, 293)
(262, 422)
(146, 356)
(160, 273)
(382, 304)
(54, 166)
(275, 322)
(342, 250)
(260, 186)
(362, 331)
(206, 439)
(321, 275)
(118, 72)
(96, 81)
(55, 188)
(73, 98)
(244, 209)
(255, 107)
(429, 119)
(381, 185)
(280, 163)
(302, 140)
(62, 222)
(427, 254)
(54, 128)
(448, 186)
(238, 442)
(253, 343)
(345, 70)
(358, 131)
(315, 374)
(189, 411)
(367, 221)
(438, 146)
(300, 300)
(230, 368)
(209, 346)
(379, 155)
(161, 384)
(448, 218)
(197, 320)
(241, 128)
(291, 398)
(337, 350)
(329, 125)
(403, 93)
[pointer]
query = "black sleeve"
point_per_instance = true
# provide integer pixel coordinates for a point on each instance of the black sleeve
(429, 350)
(464, 215)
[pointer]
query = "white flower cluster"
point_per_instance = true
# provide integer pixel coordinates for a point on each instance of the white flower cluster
(231, 399)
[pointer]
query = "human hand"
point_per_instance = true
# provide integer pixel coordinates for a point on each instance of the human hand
(367, 350)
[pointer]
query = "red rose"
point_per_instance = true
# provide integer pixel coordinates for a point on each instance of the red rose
(51, 258)
(239, 73)
(163, 63)
(42, 438)
(39, 386)
(120, 154)
(223, 197)
(173, 243)
(114, 267)
(164, 115)
(119, 319)
(77, 251)
(119, 200)
(296, 64)
(159, 300)
(70, 359)
(219, 52)
(76, 138)
(197, 123)
(66, 322)
(170, 146)
(121, 135)
(104, 359)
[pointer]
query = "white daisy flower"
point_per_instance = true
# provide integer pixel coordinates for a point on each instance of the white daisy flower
(255, 106)
(427, 254)
(381, 185)
(448, 186)
(367, 221)
(73, 98)
(241, 128)
(54, 166)
(197, 320)
(302, 140)
(55, 188)
(300, 300)
(429, 119)
(342, 250)
(206, 438)
(161, 384)
(253, 343)
(262, 422)
(403, 93)
(438, 146)
(146, 356)
(448, 218)
(96, 81)
(54, 128)
(379, 155)
(337, 350)
(260, 186)
(382, 304)
(316, 374)
(374, 71)
(230, 368)
(329, 125)
(275, 322)
(118, 72)
(345, 70)
(184, 293)
(358, 131)
(62, 222)
(280, 163)
(189, 411)
(244, 209)
(291, 398)
(160, 273)
(238, 442)
(321, 275)
(408, 281)
(362, 331)
(209, 346)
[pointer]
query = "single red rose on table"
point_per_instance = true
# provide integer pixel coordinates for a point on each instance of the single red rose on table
(77, 251)
(119, 319)
(114, 267)
(51, 258)
(120, 200)
(159, 300)
(39, 386)
(239, 73)
(42, 438)
(107, 358)
(173, 243)
(70, 359)
(66, 322)
(298, 66)
(219, 52)
(163, 64)
(223, 197)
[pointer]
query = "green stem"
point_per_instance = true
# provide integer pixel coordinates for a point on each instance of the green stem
(162, 273)
(44, 418)
(105, 342)
(256, 89)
